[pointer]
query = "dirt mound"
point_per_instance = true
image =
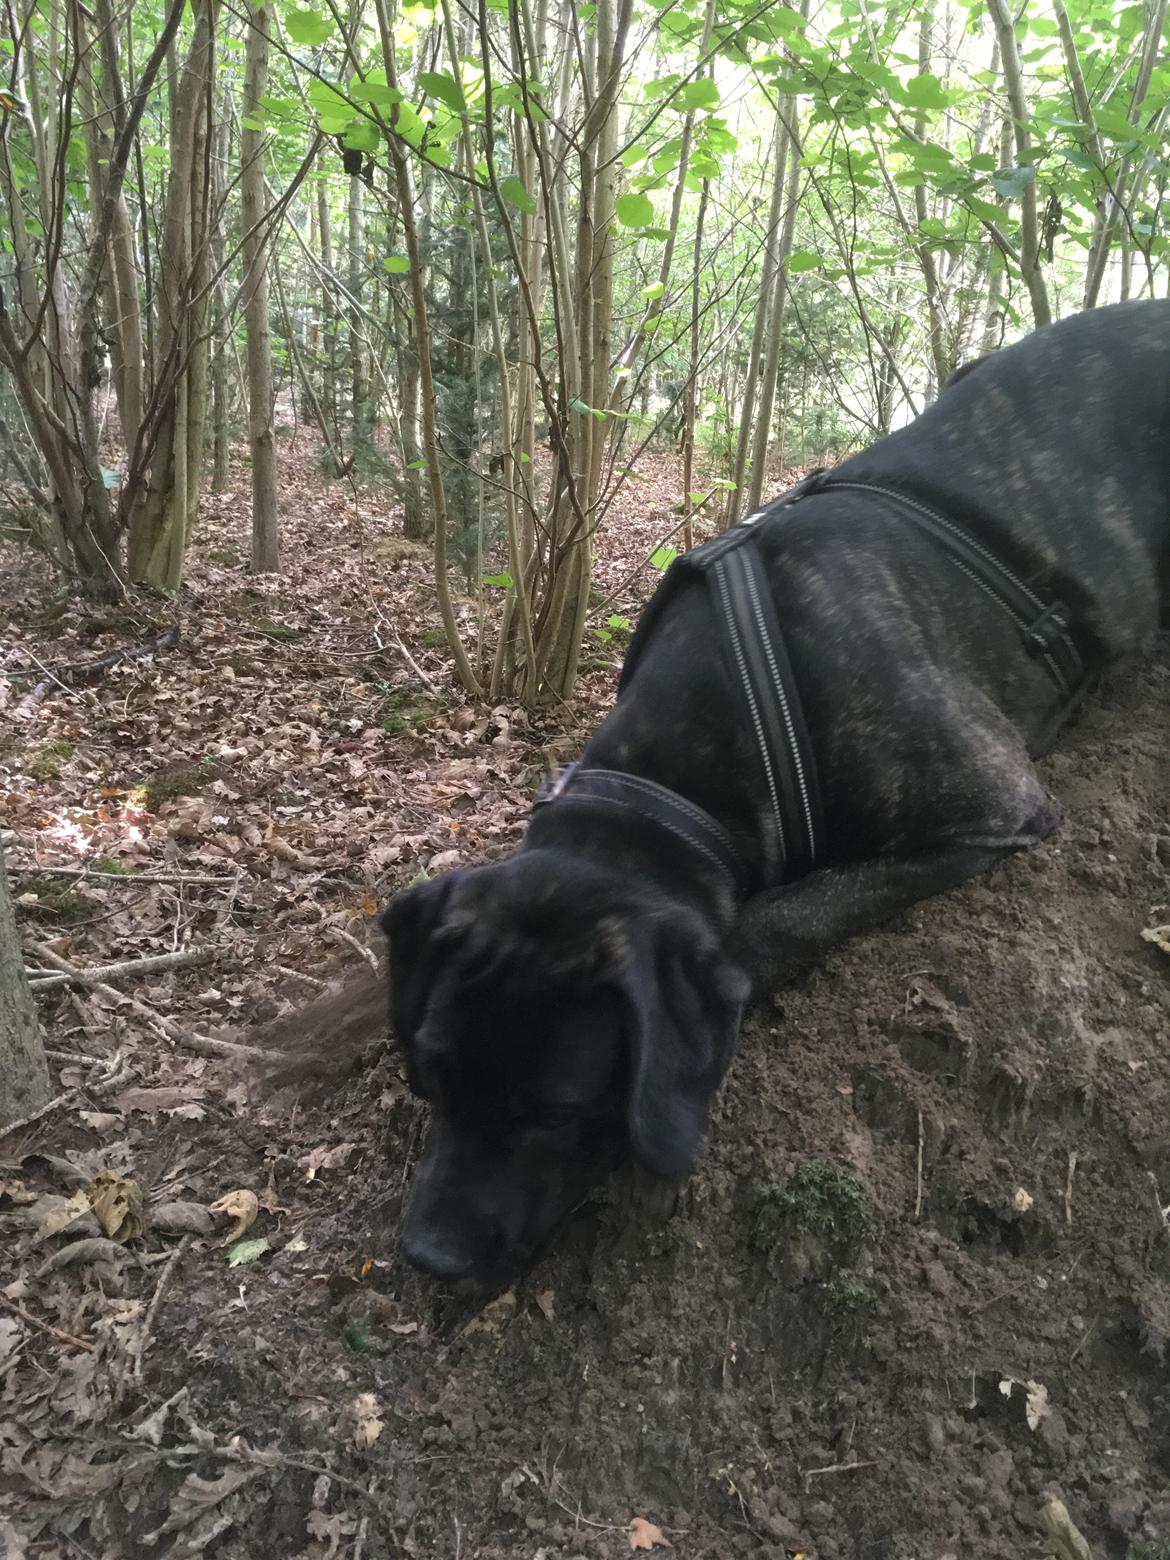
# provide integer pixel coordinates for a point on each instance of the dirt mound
(920, 1282)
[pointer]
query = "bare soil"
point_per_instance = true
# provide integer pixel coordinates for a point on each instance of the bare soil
(919, 1284)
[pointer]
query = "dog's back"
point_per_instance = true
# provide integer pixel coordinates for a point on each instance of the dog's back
(1056, 452)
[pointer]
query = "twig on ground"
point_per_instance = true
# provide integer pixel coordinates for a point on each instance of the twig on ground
(8, 1128)
(427, 682)
(847, 1467)
(203, 1045)
(309, 980)
(358, 947)
(35, 1321)
(164, 1279)
(130, 878)
(149, 964)
(1068, 1185)
(918, 1179)
(84, 670)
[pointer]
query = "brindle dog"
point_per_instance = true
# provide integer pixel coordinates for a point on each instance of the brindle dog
(577, 1005)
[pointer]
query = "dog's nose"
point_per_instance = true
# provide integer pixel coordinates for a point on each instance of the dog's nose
(438, 1252)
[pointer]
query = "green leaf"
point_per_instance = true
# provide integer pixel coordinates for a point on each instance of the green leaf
(663, 557)
(632, 155)
(702, 94)
(247, 1251)
(305, 26)
(438, 84)
(397, 265)
(1011, 183)
(635, 211)
(375, 92)
(984, 209)
(410, 125)
(417, 465)
(668, 157)
(926, 91)
(578, 405)
(504, 581)
(513, 191)
(363, 137)
(803, 260)
(617, 621)
(655, 290)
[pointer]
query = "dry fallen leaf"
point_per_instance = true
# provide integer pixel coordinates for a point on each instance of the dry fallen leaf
(58, 1213)
(102, 1122)
(368, 1421)
(1023, 1200)
(494, 1317)
(241, 1205)
(181, 1218)
(323, 1158)
(1159, 936)
(545, 1299)
(150, 1100)
(117, 1201)
(644, 1535)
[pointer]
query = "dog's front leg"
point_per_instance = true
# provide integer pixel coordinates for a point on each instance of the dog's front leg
(782, 931)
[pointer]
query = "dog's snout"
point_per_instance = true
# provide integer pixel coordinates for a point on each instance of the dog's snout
(439, 1252)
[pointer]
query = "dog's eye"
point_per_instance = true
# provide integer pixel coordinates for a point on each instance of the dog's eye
(553, 1117)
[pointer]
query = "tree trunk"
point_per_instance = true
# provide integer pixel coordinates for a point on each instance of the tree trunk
(778, 307)
(24, 1072)
(1013, 76)
(158, 541)
(265, 536)
(756, 351)
(360, 404)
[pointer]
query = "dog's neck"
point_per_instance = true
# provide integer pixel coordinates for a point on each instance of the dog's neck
(643, 854)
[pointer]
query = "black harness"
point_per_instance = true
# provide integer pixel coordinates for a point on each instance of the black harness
(753, 648)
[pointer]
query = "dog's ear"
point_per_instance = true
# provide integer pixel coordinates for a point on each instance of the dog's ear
(411, 924)
(686, 1000)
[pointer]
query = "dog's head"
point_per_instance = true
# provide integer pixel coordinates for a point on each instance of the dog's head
(559, 1021)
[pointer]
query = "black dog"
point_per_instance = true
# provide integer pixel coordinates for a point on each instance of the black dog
(578, 1004)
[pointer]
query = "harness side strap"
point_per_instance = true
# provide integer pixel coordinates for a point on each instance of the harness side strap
(1043, 626)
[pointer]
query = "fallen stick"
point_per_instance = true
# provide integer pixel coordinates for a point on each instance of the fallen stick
(360, 948)
(35, 1321)
(7, 1129)
(150, 964)
(84, 670)
(203, 1045)
(135, 878)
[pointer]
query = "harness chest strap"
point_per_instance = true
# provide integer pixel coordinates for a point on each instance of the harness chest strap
(753, 647)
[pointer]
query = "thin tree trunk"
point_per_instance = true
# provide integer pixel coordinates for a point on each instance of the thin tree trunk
(759, 326)
(24, 1071)
(265, 535)
(1013, 76)
(692, 387)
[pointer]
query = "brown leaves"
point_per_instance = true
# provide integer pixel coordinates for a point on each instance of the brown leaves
(242, 1206)
(644, 1535)
(117, 1201)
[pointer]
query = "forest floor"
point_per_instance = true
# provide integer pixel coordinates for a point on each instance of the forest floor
(919, 1285)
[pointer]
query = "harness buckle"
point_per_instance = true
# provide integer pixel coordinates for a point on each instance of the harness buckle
(1048, 631)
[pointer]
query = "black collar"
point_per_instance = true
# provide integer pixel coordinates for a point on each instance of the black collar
(683, 820)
